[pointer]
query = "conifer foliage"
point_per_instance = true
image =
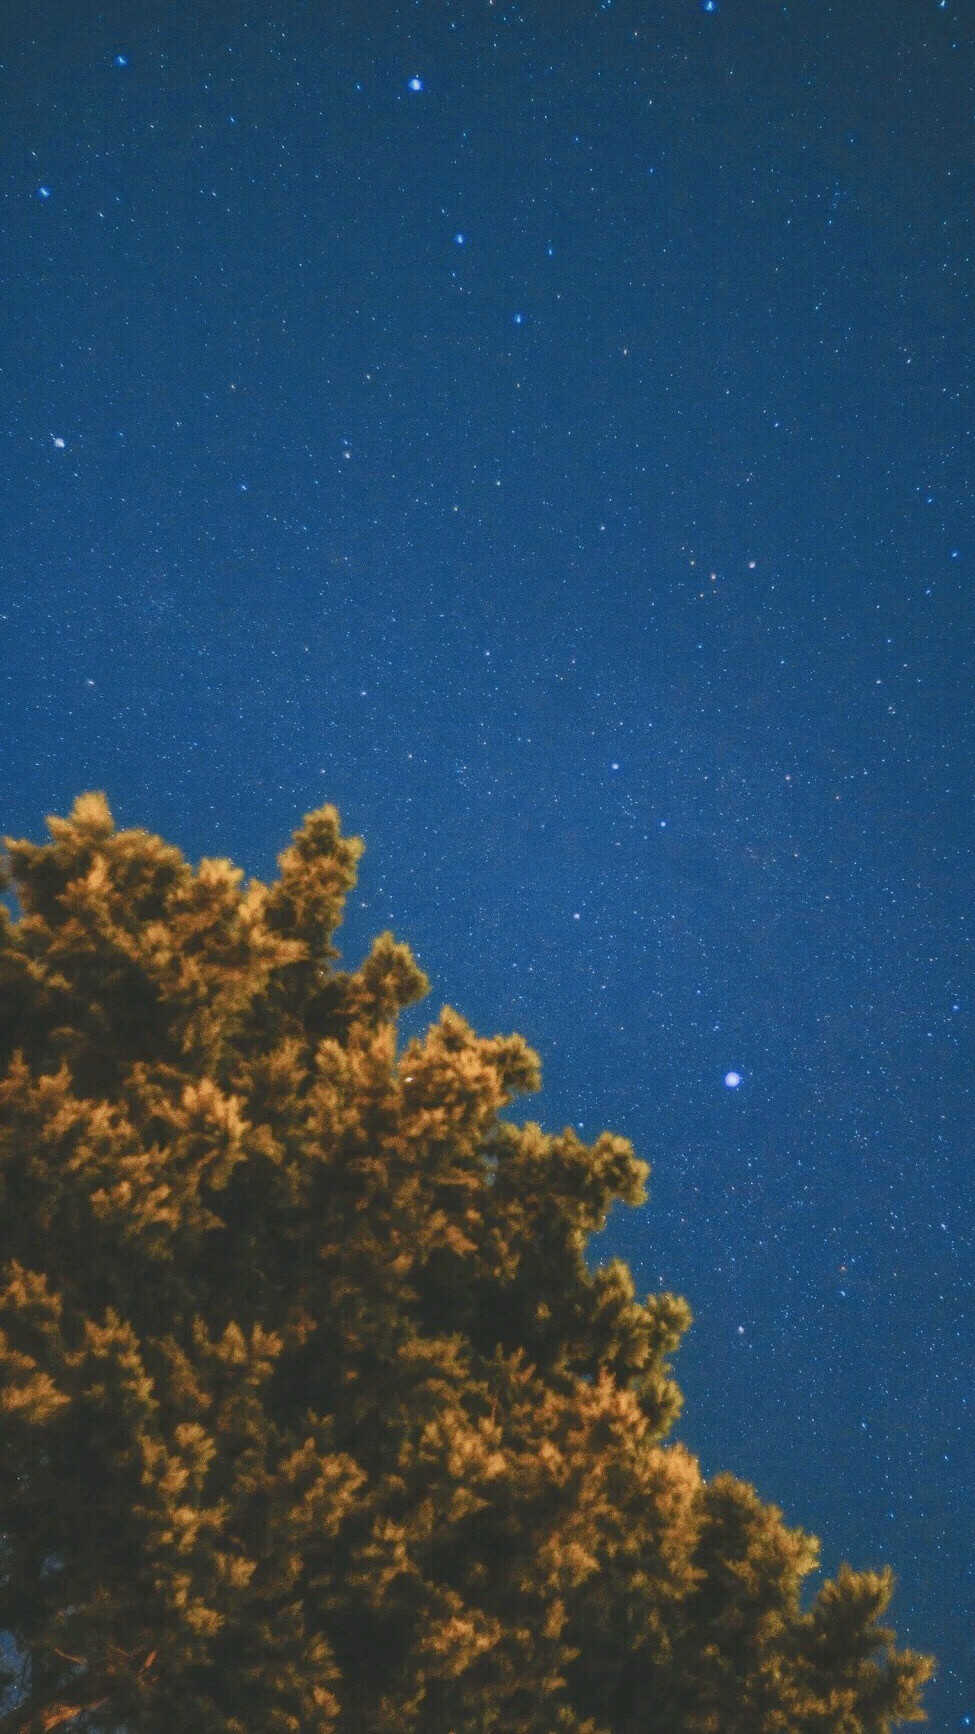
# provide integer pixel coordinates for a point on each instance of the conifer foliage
(312, 1418)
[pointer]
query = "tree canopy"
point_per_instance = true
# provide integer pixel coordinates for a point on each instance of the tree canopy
(313, 1419)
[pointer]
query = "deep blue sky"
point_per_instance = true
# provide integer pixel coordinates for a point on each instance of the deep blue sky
(564, 467)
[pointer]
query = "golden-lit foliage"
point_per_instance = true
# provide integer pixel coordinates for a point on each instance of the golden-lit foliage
(312, 1418)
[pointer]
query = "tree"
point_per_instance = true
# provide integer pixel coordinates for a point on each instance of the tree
(313, 1417)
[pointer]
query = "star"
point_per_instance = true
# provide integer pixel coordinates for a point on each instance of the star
(58, 441)
(732, 1080)
(415, 84)
(44, 192)
(121, 60)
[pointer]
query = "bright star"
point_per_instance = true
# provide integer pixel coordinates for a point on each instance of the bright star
(44, 192)
(460, 239)
(518, 318)
(732, 1080)
(415, 84)
(58, 441)
(121, 60)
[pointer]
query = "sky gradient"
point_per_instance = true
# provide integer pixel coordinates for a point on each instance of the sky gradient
(546, 432)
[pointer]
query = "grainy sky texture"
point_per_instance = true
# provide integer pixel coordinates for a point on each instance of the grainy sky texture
(546, 431)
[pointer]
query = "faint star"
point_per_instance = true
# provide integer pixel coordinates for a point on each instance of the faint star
(460, 239)
(44, 192)
(518, 318)
(121, 60)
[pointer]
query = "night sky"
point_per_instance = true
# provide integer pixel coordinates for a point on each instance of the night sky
(545, 431)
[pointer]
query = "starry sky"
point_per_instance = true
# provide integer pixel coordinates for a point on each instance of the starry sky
(545, 430)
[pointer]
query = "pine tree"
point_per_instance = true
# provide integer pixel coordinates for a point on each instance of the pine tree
(312, 1418)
